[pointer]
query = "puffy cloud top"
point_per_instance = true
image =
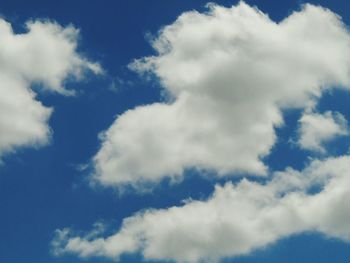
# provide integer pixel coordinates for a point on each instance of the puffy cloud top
(230, 73)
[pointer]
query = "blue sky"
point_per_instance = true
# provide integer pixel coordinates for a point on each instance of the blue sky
(42, 189)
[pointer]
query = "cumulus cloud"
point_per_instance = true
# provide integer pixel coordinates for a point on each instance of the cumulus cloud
(230, 72)
(44, 56)
(235, 220)
(316, 129)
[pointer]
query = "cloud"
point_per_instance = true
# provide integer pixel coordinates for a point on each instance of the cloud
(235, 220)
(44, 56)
(316, 129)
(230, 72)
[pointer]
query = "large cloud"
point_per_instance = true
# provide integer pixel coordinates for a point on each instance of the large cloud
(230, 72)
(234, 221)
(45, 56)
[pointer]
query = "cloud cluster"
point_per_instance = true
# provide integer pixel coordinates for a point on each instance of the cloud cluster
(230, 73)
(44, 56)
(234, 221)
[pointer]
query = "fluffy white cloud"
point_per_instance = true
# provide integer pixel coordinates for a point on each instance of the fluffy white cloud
(234, 221)
(316, 129)
(230, 72)
(45, 56)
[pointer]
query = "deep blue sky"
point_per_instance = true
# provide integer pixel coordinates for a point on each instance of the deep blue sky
(41, 190)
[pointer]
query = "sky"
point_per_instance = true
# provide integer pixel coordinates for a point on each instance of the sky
(174, 131)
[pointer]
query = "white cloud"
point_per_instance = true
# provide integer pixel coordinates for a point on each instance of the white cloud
(316, 129)
(234, 221)
(45, 55)
(230, 72)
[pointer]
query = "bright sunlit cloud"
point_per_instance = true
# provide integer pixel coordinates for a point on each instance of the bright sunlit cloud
(230, 73)
(45, 56)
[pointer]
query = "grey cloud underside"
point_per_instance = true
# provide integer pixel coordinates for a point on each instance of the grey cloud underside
(230, 73)
(46, 55)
